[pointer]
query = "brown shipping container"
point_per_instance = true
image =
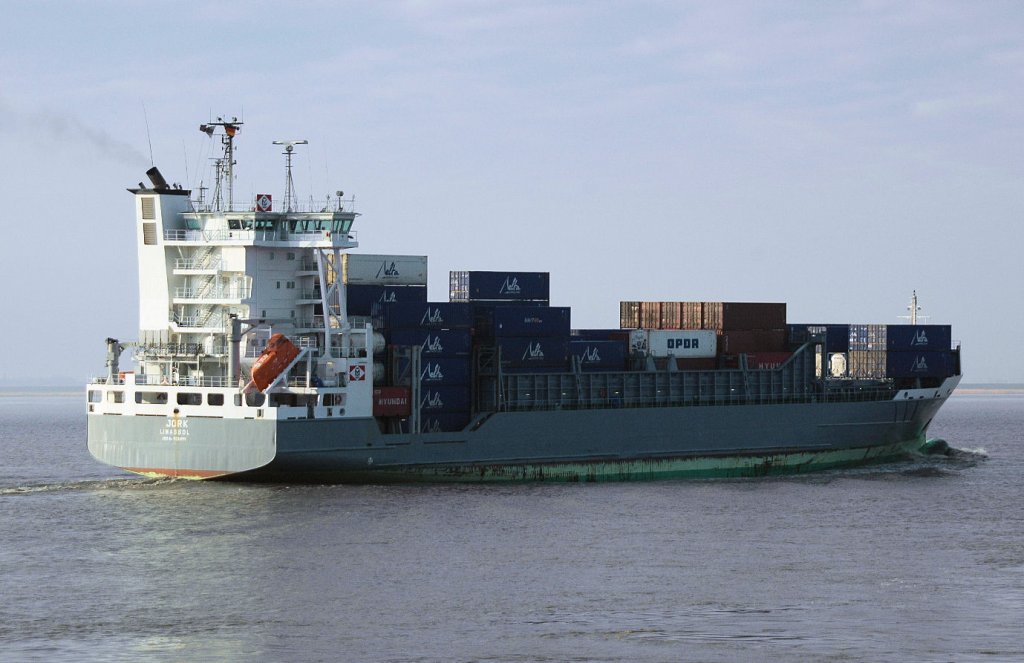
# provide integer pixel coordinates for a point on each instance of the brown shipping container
(391, 402)
(629, 315)
(650, 315)
(751, 340)
(671, 315)
(866, 363)
(740, 316)
(693, 315)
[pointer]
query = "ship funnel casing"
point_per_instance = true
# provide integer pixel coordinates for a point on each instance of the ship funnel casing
(159, 183)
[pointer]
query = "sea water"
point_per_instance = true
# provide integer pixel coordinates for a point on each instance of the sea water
(920, 560)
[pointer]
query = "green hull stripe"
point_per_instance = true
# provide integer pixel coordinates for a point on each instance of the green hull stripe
(636, 470)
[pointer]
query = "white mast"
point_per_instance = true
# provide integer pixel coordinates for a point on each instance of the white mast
(225, 166)
(289, 184)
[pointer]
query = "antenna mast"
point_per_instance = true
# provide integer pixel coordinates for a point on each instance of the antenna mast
(289, 183)
(913, 308)
(225, 166)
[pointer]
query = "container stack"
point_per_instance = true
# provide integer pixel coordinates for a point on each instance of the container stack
(741, 327)
(442, 332)
(531, 339)
(373, 279)
(918, 351)
(867, 351)
(879, 351)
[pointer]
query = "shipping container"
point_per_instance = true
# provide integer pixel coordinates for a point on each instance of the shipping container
(866, 363)
(868, 337)
(599, 355)
(361, 298)
(693, 315)
(671, 315)
(742, 316)
(629, 315)
(444, 398)
(518, 352)
(384, 269)
(434, 342)
(918, 337)
(650, 315)
(919, 364)
(444, 370)
(837, 336)
(756, 340)
(507, 321)
(621, 335)
(423, 315)
(674, 342)
(467, 286)
(391, 401)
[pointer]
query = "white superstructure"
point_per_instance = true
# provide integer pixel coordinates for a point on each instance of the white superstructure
(216, 281)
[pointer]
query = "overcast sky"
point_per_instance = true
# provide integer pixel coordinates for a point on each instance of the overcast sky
(831, 155)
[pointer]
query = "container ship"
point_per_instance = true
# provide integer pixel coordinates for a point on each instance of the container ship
(269, 351)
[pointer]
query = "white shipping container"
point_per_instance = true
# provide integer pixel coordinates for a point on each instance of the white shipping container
(679, 343)
(366, 269)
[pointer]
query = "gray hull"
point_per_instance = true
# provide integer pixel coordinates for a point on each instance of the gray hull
(606, 444)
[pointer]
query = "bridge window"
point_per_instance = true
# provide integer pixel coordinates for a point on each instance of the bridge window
(215, 399)
(189, 398)
(151, 397)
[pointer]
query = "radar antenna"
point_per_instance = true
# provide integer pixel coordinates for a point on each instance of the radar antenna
(289, 184)
(225, 165)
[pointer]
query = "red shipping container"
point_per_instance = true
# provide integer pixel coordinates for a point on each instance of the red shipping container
(279, 353)
(392, 402)
(757, 340)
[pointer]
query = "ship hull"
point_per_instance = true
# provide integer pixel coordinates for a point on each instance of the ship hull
(555, 445)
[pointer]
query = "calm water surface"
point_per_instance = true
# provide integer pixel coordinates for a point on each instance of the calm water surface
(921, 560)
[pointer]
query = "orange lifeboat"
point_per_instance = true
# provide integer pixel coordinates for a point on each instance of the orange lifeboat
(279, 353)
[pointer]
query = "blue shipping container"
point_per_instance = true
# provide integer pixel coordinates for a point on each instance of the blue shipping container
(837, 339)
(444, 398)
(509, 321)
(434, 342)
(599, 355)
(428, 315)
(923, 364)
(472, 286)
(919, 337)
(519, 352)
(444, 370)
(361, 298)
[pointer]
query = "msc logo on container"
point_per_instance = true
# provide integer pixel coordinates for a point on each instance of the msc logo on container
(683, 343)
